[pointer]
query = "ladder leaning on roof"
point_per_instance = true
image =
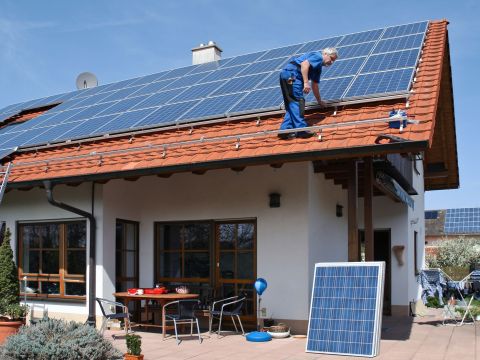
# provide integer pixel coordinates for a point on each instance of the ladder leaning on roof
(4, 174)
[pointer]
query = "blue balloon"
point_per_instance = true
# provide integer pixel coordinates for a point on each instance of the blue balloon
(260, 285)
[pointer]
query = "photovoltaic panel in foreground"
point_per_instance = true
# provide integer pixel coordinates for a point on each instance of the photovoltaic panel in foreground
(346, 308)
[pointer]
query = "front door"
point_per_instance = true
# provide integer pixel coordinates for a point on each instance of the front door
(235, 243)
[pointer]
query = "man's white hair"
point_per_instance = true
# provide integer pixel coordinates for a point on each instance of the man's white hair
(331, 51)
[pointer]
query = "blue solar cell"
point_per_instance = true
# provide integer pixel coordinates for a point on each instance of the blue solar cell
(70, 104)
(167, 114)
(462, 221)
(87, 128)
(264, 99)
(11, 128)
(244, 59)
(175, 73)
(21, 138)
(283, 51)
(92, 111)
(269, 80)
(149, 79)
(5, 116)
(122, 105)
(121, 84)
(91, 100)
(90, 91)
(126, 120)
(59, 117)
(197, 91)
(264, 66)
(345, 310)
(379, 83)
(157, 99)
(224, 73)
(431, 215)
(121, 94)
(11, 108)
(186, 80)
(343, 68)
(51, 134)
(333, 89)
(407, 29)
(399, 43)
(239, 84)
(5, 152)
(34, 123)
(351, 51)
(320, 44)
(215, 106)
(361, 37)
(212, 65)
(151, 88)
(396, 60)
(47, 101)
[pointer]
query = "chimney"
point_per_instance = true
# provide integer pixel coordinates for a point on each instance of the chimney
(206, 53)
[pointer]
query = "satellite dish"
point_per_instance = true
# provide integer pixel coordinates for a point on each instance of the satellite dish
(86, 80)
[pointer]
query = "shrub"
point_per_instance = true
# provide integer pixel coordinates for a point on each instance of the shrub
(458, 253)
(8, 275)
(134, 344)
(55, 339)
(433, 302)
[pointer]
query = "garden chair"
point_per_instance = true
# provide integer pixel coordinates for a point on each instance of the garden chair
(232, 307)
(182, 312)
(108, 308)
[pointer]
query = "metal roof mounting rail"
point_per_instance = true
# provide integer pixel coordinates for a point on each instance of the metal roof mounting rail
(3, 185)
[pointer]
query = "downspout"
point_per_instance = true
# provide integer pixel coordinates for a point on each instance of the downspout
(91, 260)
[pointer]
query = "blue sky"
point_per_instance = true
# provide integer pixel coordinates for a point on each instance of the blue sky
(46, 44)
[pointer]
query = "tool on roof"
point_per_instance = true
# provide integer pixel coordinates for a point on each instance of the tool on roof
(4, 175)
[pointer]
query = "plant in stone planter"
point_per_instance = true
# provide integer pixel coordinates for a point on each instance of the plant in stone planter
(134, 347)
(12, 314)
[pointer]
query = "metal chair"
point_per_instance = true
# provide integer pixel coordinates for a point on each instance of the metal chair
(108, 308)
(231, 306)
(183, 313)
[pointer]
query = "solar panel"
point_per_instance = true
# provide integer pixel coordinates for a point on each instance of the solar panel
(4, 153)
(346, 309)
(372, 63)
(462, 221)
(431, 215)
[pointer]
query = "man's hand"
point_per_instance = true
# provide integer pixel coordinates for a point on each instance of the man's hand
(321, 103)
(306, 88)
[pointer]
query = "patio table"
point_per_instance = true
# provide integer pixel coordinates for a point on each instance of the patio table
(162, 300)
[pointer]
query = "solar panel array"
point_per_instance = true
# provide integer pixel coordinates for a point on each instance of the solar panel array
(462, 221)
(346, 308)
(431, 214)
(372, 63)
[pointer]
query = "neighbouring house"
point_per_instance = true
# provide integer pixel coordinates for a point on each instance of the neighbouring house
(450, 224)
(179, 177)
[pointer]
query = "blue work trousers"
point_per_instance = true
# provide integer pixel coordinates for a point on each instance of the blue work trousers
(291, 83)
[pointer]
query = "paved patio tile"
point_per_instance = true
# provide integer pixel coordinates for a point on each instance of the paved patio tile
(402, 339)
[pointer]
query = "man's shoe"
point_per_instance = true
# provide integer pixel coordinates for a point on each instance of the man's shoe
(286, 136)
(305, 134)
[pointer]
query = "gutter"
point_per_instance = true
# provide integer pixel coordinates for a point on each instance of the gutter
(91, 320)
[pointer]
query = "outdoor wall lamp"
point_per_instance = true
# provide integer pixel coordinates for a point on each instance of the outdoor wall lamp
(274, 200)
(398, 251)
(339, 210)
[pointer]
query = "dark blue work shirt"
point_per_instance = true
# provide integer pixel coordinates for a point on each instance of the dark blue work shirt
(316, 62)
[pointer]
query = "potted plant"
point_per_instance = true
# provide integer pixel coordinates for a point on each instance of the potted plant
(134, 347)
(12, 314)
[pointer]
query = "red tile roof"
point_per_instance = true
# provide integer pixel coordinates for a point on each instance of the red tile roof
(144, 154)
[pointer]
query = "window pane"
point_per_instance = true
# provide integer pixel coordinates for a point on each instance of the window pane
(76, 262)
(196, 236)
(227, 265)
(77, 235)
(30, 237)
(30, 261)
(169, 237)
(245, 236)
(32, 287)
(50, 287)
(50, 263)
(170, 265)
(130, 265)
(197, 265)
(77, 289)
(245, 265)
(49, 235)
(118, 263)
(119, 235)
(131, 236)
(227, 236)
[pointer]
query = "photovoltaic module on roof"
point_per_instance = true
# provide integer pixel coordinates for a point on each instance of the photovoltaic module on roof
(346, 308)
(372, 64)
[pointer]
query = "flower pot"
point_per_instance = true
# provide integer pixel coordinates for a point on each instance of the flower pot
(8, 328)
(133, 357)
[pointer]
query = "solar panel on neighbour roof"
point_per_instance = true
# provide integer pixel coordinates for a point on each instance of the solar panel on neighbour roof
(346, 308)
(372, 63)
(462, 221)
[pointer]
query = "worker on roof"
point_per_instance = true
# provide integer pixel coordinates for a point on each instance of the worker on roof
(295, 82)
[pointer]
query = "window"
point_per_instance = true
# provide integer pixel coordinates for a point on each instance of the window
(53, 258)
(415, 244)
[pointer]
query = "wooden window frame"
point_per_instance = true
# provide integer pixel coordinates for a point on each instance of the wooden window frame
(63, 277)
